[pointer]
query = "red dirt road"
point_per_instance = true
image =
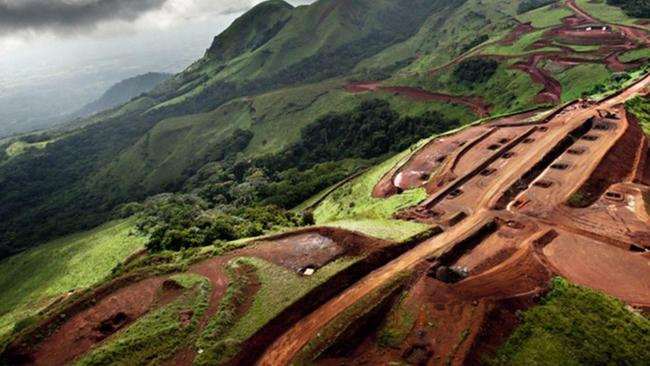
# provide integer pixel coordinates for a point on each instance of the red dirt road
(476, 104)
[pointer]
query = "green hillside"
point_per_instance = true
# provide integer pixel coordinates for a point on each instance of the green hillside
(577, 326)
(32, 280)
(276, 71)
(148, 146)
(247, 185)
(123, 92)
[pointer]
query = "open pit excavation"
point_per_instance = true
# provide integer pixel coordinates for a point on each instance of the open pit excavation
(504, 194)
(462, 232)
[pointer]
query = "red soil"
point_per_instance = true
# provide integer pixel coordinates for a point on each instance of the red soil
(484, 306)
(618, 164)
(293, 250)
(583, 37)
(573, 21)
(603, 267)
(82, 331)
(508, 268)
(517, 33)
(476, 104)
(361, 87)
(423, 163)
(638, 35)
(308, 247)
(552, 92)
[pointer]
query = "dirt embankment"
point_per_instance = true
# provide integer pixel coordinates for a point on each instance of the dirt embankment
(253, 349)
(71, 332)
(617, 166)
(518, 32)
(314, 247)
(458, 323)
(84, 323)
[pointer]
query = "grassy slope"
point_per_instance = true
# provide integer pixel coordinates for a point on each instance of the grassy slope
(577, 326)
(581, 78)
(519, 47)
(31, 280)
(354, 200)
(635, 55)
(508, 90)
(158, 335)
(350, 23)
(19, 147)
(278, 289)
(163, 155)
(546, 16)
(640, 107)
(439, 41)
(352, 206)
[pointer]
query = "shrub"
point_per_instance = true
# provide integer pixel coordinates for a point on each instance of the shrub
(633, 8)
(476, 70)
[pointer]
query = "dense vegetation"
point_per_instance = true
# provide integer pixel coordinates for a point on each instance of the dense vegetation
(528, 5)
(67, 185)
(233, 199)
(640, 108)
(476, 70)
(475, 42)
(222, 190)
(577, 326)
(633, 8)
(370, 130)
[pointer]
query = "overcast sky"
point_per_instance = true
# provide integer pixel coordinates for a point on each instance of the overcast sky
(67, 52)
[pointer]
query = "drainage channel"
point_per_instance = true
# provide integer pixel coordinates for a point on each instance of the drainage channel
(441, 265)
(524, 182)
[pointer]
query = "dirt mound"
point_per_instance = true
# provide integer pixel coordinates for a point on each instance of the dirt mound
(586, 37)
(600, 266)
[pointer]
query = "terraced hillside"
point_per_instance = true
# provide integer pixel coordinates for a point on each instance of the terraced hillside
(522, 237)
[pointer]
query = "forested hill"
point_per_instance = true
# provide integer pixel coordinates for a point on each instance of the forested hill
(262, 121)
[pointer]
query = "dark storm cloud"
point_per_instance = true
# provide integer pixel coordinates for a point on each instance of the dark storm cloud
(69, 15)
